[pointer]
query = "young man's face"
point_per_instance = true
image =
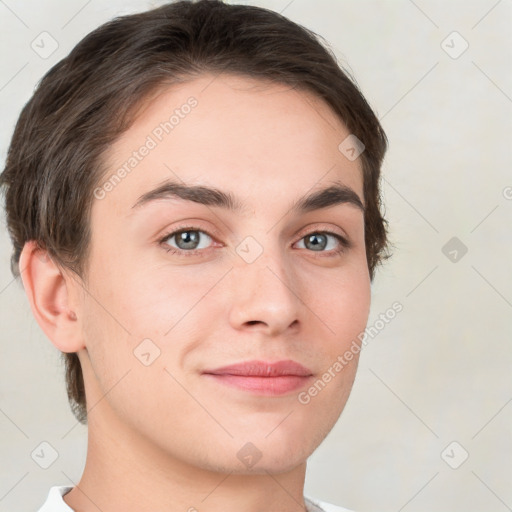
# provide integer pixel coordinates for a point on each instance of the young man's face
(244, 285)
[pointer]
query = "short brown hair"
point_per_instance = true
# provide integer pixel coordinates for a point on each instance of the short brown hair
(88, 99)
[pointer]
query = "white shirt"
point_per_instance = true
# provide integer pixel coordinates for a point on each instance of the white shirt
(55, 503)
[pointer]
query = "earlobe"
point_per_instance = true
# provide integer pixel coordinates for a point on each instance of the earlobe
(47, 290)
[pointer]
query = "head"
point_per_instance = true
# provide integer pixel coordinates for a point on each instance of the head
(161, 174)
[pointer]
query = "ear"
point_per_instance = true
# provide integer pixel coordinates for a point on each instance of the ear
(48, 292)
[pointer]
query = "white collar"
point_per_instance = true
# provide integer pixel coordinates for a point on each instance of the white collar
(55, 503)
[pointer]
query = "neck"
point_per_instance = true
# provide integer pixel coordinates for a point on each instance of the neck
(126, 472)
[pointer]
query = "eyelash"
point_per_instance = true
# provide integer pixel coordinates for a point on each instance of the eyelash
(343, 242)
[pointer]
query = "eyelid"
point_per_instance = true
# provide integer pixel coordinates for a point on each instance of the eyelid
(321, 228)
(189, 226)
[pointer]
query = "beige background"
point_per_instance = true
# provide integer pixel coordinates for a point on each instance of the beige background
(441, 370)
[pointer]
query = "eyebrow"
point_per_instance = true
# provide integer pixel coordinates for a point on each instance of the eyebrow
(335, 194)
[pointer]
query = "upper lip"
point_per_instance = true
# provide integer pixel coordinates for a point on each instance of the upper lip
(263, 369)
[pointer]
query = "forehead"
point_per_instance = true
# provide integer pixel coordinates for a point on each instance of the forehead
(235, 133)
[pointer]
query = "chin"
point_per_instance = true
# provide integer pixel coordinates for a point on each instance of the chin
(271, 455)
(268, 463)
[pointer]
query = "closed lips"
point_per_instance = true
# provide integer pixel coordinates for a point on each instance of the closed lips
(263, 369)
(262, 378)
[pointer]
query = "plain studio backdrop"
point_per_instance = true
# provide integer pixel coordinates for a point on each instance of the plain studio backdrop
(428, 425)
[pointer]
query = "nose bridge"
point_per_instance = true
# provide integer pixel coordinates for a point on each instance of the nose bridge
(264, 289)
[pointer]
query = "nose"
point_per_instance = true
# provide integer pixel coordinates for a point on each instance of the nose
(264, 297)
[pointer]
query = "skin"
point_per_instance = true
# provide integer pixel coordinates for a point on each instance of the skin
(164, 436)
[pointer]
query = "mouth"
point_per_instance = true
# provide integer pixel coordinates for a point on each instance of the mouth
(264, 378)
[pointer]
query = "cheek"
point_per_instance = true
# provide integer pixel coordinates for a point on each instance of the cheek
(160, 311)
(140, 297)
(343, 305)
(346, 307)
(164, 301)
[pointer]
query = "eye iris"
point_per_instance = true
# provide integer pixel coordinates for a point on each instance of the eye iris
(311, 242)
(187, 239)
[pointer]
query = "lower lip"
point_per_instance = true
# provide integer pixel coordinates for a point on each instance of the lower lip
(263, 385)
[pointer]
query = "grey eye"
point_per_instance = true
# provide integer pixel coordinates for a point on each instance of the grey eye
(320, 241)
(189, 239)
